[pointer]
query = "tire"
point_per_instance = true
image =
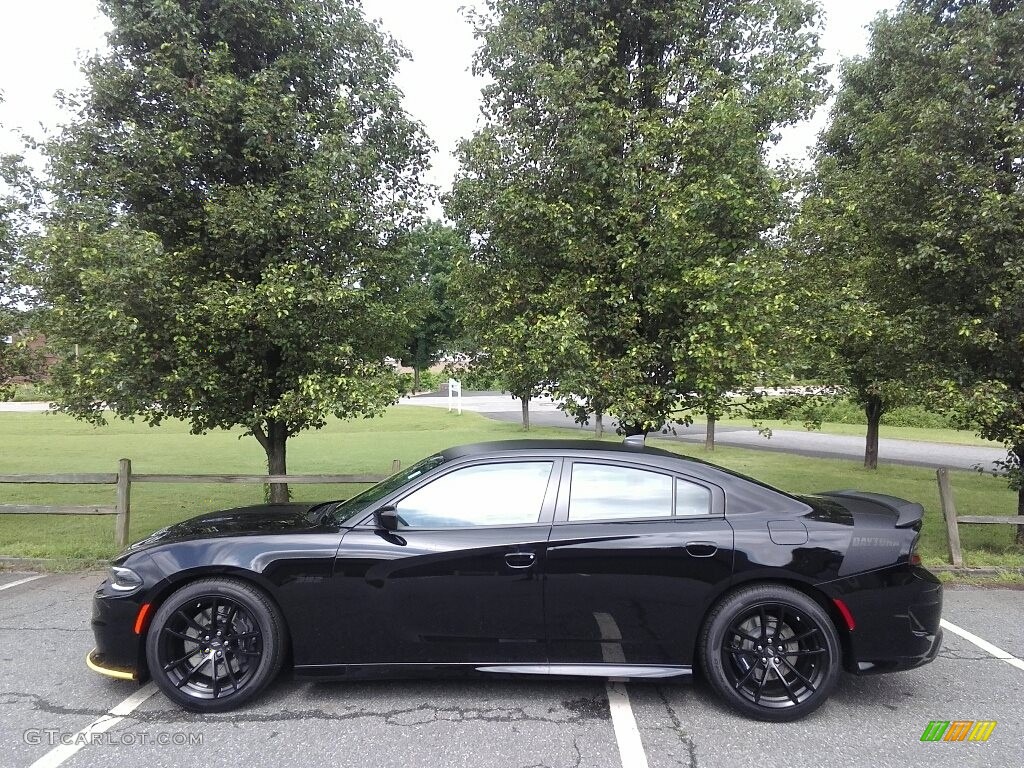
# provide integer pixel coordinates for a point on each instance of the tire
(770, 652)
(202, 671)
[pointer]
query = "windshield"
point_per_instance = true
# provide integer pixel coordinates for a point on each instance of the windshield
(344, 510)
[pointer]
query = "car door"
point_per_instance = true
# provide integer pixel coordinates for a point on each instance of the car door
(634, 555)
(460, 580)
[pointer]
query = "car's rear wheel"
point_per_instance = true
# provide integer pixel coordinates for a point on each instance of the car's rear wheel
(771, 652)
(214, 644)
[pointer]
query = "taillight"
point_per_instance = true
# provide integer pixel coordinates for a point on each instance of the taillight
(915, 559)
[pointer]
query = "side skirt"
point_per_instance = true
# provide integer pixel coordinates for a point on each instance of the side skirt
(384, 671)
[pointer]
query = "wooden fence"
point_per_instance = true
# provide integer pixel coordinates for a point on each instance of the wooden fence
(954, 521)
(123, 480)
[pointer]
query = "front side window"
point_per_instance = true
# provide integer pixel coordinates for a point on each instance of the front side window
(509, 493)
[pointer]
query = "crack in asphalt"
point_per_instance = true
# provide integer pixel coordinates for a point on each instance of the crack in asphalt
(677, 726)
(405, 717)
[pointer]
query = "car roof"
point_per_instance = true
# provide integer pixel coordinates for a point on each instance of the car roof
(555, 446)
(747, 491)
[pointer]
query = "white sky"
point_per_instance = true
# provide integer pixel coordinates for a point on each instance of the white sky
(41, 42)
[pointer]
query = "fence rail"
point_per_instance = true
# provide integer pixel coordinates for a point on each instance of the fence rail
(954, 521)
(123, 480)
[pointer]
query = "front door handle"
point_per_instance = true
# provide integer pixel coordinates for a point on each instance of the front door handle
(520, 559)
(701, 548)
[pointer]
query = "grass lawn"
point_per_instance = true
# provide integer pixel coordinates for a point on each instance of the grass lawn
(47, 443)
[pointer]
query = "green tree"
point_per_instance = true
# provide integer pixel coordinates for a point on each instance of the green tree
(432, 251)
(227, 204)
(843, 321)
(929, 132)
(624, 157)
(18, 196)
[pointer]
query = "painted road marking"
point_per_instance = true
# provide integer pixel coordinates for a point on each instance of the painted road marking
(22, 581)
(985, 645)
(102, 724)
(631, 748)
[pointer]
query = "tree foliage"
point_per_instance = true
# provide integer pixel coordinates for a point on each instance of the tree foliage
(18, 196)
(619, 196)
(929, 137)
(226, 208)
(432, 252)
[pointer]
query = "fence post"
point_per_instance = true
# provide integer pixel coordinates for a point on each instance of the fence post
(396, 465)
(949, 513)
(124, 502)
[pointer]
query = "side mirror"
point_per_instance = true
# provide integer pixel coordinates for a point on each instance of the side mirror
(386, 518)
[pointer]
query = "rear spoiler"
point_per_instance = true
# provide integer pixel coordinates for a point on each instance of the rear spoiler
(908, 513)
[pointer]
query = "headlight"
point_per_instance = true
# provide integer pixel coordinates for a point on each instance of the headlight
(124, 579)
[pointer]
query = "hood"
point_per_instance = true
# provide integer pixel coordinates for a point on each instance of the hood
(260, 519)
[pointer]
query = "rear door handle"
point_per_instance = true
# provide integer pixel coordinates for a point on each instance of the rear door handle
(520, 559)
(701, 548)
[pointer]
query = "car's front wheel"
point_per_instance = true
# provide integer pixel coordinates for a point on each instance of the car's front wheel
(214, 644)
(771, 652)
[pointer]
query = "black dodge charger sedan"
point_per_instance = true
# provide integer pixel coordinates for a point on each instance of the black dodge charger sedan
(537, 558)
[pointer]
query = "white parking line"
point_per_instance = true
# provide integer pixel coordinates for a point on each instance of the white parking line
(102, 724)
(22, 581)
(631, 748)
(985, 645)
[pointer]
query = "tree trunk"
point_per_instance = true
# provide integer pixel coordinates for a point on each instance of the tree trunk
(873, 410)
(415, 379)
(1020, 511)
(632, 428)
(526, 413)
(274, 440)
(709, 435)
(598, 424)
(1018, 451)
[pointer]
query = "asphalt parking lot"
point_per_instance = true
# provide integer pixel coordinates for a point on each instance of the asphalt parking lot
(47, 696)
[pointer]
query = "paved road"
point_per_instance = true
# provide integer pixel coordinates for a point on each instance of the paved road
(801, 442)
(872, 722)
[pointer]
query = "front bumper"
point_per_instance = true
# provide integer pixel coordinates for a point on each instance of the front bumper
(94, 660)
(118, 651)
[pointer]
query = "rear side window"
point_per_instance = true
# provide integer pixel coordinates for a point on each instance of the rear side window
(605, 492)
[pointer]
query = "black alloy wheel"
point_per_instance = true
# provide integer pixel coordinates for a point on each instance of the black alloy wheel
(771, 652)
(214, 644)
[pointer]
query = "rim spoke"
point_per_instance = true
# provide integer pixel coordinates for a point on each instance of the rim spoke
(186, 657)
(760, 685)
(181, 635)
(240, 652)
(796, 672)
(804, 652)
(738, 649)
(215, 679)
(196, 668)
(764, 623)
(788, 687)
(805, 635)
(229, 620)
(192, 622)
(746, 677)
(231, 674)
(743, 635)
(242, 635)
(213, 615)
